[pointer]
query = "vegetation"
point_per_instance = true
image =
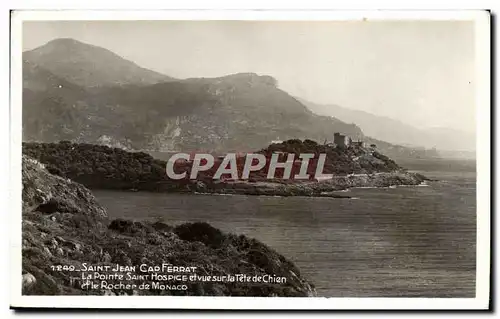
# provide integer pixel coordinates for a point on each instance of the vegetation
(64, 225)
(339, 160)
(98, 166)
(239, 112)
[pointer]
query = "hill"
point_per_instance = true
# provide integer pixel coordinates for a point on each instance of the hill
(102, 167)
(397, 132)
(53, 108)
(240, 112)
(89, 65)
(64, 226)
(86, 94)
(99, 166)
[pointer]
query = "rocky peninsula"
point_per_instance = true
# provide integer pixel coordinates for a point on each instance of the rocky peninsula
(327, 188)
(102, 167)
(64, 229)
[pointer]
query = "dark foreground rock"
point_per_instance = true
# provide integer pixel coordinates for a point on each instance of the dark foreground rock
(63, 225)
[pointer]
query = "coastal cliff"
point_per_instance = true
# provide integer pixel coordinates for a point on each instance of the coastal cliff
(64, 226)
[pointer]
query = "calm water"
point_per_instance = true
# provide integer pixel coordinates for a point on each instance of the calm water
(405, 241)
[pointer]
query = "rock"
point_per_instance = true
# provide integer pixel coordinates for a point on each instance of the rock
(47, 251)
(201, 232)
(126, 226)
(45, 283)
(162, 227)
(79, 235)
(60, 251)
(53, 243)
(259, 258)
(201, 186)
(109, 293)
(59, 194)
(70, 245)
(107, 258)
(28, 281)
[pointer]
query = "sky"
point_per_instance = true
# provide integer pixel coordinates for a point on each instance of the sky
(418, 72)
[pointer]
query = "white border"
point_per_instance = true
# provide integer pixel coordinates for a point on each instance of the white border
(271, 15)
(482, 36)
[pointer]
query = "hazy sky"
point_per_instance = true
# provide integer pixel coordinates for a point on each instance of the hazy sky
(421, 73)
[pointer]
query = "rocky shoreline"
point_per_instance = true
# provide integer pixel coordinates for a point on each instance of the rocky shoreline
(326, 188)
(63, 225)
(101, 167)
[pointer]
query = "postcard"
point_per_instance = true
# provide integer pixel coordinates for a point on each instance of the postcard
(250, 159)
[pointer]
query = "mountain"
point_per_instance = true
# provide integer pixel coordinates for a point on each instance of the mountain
(397, 132)
(67, 97)
(89, 65)
(239, 112)
(51, 105)
(39, 79)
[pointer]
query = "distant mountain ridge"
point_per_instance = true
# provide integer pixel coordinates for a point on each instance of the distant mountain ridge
(89, 65)
(238, 112)
(67, 100)
(397, 132)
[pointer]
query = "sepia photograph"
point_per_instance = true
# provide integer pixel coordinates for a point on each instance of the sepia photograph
(307, 156)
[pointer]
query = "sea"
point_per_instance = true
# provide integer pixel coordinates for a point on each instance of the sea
(414, 241)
